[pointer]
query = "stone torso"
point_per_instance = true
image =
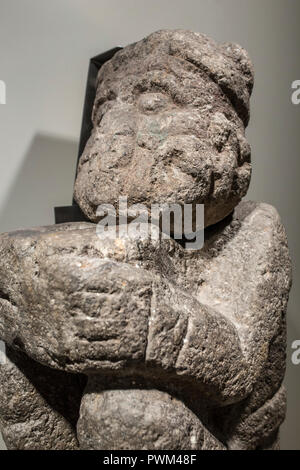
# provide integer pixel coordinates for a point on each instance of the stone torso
(154, 346)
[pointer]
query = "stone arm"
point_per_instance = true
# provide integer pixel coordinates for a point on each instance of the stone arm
(206, 327)
(79, 304)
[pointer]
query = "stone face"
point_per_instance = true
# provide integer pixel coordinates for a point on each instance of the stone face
(130, 342)
(169, 126)
(38, 406)
(206, 320)
(139, 419)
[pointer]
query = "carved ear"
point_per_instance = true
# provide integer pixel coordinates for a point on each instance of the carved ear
(242, 61)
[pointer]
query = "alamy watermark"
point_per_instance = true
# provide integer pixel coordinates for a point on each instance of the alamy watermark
(161, 221)
(296, 353)
(296, 94)
(2, 92)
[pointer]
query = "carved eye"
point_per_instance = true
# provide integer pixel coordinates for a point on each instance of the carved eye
(152, 102)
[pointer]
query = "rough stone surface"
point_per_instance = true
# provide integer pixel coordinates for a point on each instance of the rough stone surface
(206, 319)
(258, 430)
(140, 419)
(179, 349)
(169, 126)
(39, 407)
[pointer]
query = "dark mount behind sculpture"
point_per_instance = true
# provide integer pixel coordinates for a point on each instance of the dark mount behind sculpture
(140, 343)
(73, 213)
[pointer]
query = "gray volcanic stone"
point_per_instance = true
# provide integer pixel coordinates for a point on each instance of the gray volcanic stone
(247, 429)
(130, 342)
(139, 419)
(39, 407)
(169, 126)
(205, 321)
(260, 429)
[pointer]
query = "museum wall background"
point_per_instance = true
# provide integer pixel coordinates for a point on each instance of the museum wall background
(44, 52)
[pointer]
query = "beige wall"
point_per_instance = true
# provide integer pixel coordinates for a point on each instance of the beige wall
(44, 52)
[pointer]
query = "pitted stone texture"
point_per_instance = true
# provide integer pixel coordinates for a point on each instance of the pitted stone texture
(169, 126)
(39, 407)
(183, 350)
(256, 430)
(140, 420)
(205, 321)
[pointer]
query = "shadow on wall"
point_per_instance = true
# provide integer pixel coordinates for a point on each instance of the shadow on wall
(45, 180)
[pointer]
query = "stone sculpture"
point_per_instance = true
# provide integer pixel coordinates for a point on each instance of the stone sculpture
(134, 343)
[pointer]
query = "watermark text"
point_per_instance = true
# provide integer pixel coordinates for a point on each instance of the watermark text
(2, 92)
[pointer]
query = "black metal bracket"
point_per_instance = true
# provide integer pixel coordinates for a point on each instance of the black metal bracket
(73, 213)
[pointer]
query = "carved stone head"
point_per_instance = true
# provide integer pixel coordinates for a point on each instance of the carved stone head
(169, 126)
